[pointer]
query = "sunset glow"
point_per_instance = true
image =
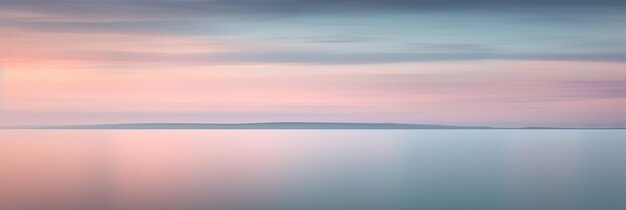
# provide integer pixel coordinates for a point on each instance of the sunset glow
(238, 61)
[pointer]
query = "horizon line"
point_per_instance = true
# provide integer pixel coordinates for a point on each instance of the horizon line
(284, 125)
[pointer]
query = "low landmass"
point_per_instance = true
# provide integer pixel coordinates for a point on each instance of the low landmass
(273, 125)
(266, 125)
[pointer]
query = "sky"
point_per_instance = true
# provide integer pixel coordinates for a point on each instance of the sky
(484, 62)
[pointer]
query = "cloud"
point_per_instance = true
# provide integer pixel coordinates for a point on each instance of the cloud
(194, 8)
(324, 58)
(451, 47)
(127, 27)
(329, 37)
(370, 58)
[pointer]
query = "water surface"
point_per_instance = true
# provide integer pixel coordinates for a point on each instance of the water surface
(312, 169)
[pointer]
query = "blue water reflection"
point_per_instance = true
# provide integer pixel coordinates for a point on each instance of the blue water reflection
(313, 169)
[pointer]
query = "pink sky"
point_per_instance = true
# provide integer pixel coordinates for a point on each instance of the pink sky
(75, 68)
(500, 93)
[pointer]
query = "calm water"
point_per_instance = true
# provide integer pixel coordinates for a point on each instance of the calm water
(313, 169)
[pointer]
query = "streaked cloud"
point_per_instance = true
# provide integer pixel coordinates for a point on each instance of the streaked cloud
(176, 8)
(491, 62)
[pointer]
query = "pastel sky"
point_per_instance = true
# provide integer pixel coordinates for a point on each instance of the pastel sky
(482, 62)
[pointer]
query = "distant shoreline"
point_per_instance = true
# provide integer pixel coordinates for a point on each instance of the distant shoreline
(283, 126)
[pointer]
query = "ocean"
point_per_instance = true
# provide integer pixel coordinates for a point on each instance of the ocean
(312, 169)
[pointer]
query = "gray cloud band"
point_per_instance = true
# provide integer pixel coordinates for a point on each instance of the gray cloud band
(320, 58)
(185, 8)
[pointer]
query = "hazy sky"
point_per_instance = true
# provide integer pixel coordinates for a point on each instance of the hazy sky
(482, 62)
